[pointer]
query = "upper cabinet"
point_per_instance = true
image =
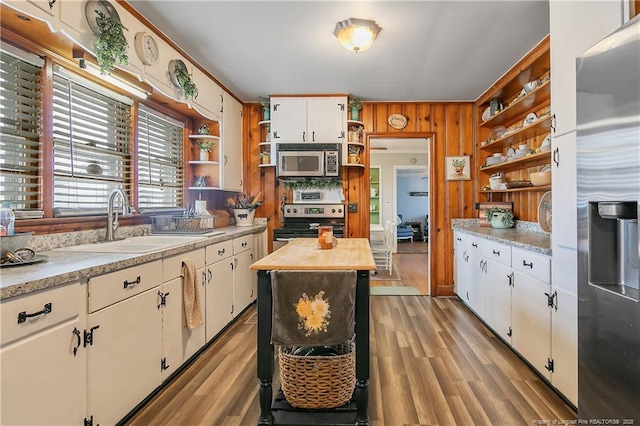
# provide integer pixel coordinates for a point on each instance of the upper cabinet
(513, 133)
(309, 119)
(231, 158)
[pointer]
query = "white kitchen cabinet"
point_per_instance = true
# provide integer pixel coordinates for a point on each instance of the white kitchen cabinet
(124, 357)
(530, 313)
(564, 200)
(244, 279)
(497, 293)
(50, 386)
(231, 156)
(219, 287)
(574, 28)
(179, 343)
(475, 279)
(564, 344)
(309, 119)
(461, 267)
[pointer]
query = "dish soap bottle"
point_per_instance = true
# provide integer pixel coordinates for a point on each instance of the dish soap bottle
(7, 219)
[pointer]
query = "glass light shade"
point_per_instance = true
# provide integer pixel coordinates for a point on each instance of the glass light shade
(356, 35)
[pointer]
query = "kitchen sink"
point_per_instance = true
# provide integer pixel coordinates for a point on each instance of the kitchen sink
(144, 244)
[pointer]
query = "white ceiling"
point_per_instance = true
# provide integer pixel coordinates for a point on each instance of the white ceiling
(427, 50)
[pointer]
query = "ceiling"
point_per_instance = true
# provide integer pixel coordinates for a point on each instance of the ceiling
(427, 50)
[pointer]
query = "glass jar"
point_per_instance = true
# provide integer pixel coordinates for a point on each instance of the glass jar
(325, 237)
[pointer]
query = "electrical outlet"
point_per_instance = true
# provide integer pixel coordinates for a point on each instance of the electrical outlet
(353, 208)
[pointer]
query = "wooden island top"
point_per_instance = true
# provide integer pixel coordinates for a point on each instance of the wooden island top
(304, 254)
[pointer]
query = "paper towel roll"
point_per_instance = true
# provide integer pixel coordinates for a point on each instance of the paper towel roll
(201, 206)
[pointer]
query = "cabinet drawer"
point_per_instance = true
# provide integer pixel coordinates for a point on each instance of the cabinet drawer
(219, 251)
(61, 302)
(172, 266)
(498, 252)
(243, 244)
(475, 244)
(460, 238)
(110, 288)
(535, 265)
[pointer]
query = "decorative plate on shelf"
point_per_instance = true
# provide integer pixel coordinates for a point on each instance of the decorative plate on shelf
(172, 71)
(544, 212)
(397, 121)
(103, 6)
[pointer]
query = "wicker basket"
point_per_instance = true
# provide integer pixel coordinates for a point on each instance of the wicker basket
(315, 382)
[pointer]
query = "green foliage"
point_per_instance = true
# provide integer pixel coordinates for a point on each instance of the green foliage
(507, 215)
(206, 144)
(184, 80)
(354, 149)
(265, 102)
(111, 44)
(458, 162)
(355, 102)
(313, 183)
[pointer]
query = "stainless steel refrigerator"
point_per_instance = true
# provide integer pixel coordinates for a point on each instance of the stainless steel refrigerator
(608, 180)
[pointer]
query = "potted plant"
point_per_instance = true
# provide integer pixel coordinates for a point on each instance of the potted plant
(458, 166)
(354, 154)
(265, 157)
(266, 108)
(354, 133)
(355, 105)
(500, 217)
(205, 146)
(187, 85)
(204, 130)
(111, 44)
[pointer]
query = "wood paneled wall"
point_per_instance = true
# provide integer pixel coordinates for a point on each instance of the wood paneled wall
(451, 130)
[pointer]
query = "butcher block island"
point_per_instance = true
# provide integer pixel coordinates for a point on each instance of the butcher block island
(303, 254)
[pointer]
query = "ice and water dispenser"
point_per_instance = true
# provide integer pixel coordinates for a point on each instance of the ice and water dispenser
(613, 246)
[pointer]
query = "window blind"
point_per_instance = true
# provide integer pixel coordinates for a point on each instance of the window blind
(92, 145)
(160, 156)
(19, 132)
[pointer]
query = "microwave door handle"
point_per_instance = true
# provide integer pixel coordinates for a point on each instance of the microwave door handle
(313, 136)
(303, 136)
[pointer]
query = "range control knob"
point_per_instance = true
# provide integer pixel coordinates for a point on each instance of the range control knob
(288, 210)
(333, 210)
(339, 210)
(295, 210)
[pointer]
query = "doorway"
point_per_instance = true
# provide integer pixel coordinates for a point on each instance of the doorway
(396, 156)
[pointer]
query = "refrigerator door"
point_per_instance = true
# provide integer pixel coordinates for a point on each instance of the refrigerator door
(608, 190)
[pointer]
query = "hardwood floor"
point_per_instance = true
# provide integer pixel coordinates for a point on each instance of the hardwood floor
(432, 363)
(412, 268)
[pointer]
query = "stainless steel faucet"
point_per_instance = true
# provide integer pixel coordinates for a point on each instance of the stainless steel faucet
(112, 222)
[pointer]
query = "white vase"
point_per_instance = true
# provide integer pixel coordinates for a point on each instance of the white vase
(204, 155)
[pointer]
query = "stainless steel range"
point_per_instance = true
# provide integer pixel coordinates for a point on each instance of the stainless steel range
(302, 221)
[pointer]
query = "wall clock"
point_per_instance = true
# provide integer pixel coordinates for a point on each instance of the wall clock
(146, 48)
(397, 121)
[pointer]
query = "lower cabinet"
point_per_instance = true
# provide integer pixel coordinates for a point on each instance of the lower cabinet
(510, 289)
(50, 386)
(123, 358)
(97, 348)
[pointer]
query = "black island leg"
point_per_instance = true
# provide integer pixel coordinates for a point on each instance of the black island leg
(265, 348)
(362, 348)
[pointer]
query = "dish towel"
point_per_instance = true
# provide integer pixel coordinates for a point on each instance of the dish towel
(313, 308)
(191, 296)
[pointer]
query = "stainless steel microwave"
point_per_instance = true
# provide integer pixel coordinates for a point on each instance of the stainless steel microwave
(308, 160)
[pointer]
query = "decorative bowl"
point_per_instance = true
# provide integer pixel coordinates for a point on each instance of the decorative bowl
(540, 178)
(13, 242)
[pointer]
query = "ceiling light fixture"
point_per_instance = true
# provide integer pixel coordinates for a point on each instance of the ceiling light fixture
(356, 35)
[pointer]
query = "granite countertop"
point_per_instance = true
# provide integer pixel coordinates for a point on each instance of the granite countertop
(63, 267)
(527, 240)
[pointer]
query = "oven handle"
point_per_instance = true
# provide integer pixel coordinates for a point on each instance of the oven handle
(286, 240)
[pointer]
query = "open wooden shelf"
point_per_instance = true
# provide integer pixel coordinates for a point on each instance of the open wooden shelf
(539, 127)
(524, 189)
(520, 163)
(531, 102)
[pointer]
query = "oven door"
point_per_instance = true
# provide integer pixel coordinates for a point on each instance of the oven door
(301, 163)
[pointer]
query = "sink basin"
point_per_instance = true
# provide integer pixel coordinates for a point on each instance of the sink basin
(145, 244)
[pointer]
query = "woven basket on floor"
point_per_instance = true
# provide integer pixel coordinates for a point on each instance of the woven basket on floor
(315, 382)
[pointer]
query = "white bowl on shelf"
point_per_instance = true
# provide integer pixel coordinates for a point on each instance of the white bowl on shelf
(494, 160)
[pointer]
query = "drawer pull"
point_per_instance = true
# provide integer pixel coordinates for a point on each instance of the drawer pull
(474, 245)
(22, 316)
(528, 265)
(244, 244)
(496, 252)
(131, 283)
(459, 239)
(221, 252)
